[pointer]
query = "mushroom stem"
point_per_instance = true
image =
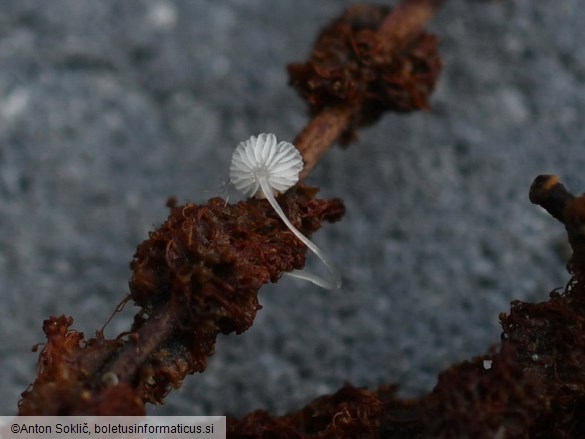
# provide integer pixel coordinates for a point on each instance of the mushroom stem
(335, 282)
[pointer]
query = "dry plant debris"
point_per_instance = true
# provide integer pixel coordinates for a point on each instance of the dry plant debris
(198, 275)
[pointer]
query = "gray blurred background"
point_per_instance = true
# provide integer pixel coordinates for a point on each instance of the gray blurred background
(109, 107)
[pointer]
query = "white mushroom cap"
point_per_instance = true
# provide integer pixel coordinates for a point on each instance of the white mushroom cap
(263, 168)
(261, 157)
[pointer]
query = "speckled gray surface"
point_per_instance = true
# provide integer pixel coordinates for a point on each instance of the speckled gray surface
(107, 108)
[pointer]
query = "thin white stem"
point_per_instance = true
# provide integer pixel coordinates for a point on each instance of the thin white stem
(302, 274)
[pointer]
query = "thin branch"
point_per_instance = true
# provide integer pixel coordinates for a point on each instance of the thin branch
(320, 133)
(404, 24)
(142, 343)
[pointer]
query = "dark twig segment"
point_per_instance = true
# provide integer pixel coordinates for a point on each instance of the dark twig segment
(548, 192)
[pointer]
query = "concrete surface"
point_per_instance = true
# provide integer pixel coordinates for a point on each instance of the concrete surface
(107, 108)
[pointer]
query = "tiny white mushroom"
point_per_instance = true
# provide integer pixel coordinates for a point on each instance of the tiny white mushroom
(261, 167)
